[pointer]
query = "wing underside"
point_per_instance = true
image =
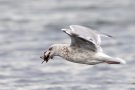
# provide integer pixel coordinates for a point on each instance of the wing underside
(84, 37)
(79, 41)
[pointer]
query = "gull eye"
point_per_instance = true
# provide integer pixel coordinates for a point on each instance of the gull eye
(50, 48)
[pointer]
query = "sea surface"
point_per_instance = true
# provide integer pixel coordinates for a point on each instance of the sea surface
(29, 27)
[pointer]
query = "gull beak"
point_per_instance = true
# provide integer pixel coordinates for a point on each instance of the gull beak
(46, 56)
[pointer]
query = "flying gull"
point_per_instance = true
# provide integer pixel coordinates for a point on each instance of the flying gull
(84, 48)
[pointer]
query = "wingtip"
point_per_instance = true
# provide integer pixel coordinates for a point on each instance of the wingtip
(67, 31)
(63, 30)
(106, 35)
(72, 26)
(110, 36)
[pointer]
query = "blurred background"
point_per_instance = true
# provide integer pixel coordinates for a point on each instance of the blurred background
(28, 27)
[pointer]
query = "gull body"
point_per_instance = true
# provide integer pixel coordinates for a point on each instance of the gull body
(84, 48)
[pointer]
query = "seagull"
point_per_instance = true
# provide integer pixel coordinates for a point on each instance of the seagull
(84, 47)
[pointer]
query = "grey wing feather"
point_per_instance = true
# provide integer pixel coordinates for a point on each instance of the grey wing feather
(87, 34)
(85, 37)
(78, 41)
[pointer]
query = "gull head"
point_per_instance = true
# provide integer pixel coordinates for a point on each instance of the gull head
(48, 54)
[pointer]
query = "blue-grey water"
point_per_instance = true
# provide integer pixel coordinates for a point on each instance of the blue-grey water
(28, 27)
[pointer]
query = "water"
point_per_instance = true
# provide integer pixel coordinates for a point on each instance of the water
(28, 27)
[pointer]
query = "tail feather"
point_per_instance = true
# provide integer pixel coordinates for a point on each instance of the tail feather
(112, 62)
(116, 61)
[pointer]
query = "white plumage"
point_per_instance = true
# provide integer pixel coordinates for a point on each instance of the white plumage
(84, 48)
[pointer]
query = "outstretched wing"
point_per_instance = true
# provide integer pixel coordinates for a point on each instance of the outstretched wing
(87, 34)
(83, 37)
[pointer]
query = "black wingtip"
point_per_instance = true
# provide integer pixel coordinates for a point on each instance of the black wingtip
(110, 36)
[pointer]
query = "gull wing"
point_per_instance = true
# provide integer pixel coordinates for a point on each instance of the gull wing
(83, 37)
(87, 34)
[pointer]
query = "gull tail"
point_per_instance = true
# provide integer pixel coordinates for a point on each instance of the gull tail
(108, 59)
(115, 61)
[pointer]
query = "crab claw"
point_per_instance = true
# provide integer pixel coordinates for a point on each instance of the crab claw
(45, 57)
